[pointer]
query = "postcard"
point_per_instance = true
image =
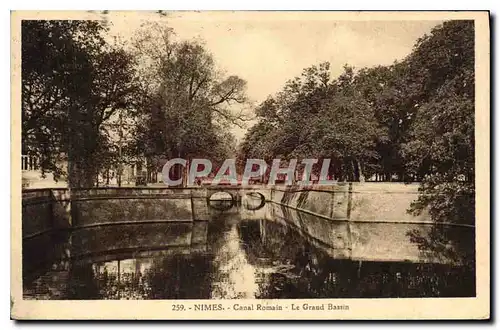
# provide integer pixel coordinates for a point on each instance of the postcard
(250, 165)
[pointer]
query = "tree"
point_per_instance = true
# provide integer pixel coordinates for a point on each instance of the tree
(390, 100)
(73, 81)
(53, 60)
(317, 117)
(112, 89)
(440, 148)
(188, 100)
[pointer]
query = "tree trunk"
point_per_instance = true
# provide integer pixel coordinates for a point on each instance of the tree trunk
(73, 174)
(353, 166)
(360, 172)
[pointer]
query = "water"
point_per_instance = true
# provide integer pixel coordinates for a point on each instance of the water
(253, 254)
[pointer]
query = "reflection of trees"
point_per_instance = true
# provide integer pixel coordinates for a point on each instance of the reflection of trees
(179, 277)
(83, 283)
(294, 267)
(167, 277)
(266, 259)
(289, 263)
(233, 277)
(46, 265)
(414, 280)
(450, 244)
(122, 279)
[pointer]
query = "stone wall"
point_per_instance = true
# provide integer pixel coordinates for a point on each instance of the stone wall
(37, 232)
(368, 202)
(148, 218)
(48, 209)
(45, 210)
(368, 221)
(359, 221)
(37, 206)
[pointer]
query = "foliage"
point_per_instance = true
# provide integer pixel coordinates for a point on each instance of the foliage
(52, 60)
(440, 148)
(409, 121)
(73, 82)
(188, 101)
(317, 117)
(412, 120)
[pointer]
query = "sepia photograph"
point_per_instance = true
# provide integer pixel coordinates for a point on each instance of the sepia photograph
(250, 165)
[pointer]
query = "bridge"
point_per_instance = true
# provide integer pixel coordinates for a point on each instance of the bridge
(349, 221)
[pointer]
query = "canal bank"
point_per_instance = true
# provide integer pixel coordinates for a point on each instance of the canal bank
(287, 247)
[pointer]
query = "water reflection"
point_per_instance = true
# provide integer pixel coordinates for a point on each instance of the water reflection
(270, 253)
(236, 277)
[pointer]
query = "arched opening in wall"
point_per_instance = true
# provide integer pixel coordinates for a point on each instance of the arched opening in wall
(253, 201)
(221, 200)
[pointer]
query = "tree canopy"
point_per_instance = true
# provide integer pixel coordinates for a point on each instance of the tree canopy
(78, 85)
(187, 108)
(374, 121)
(73, 81)
(409, 121)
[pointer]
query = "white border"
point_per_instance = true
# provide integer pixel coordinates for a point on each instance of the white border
(200, 4)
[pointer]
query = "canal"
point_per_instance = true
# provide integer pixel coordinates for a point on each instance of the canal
(272, 252)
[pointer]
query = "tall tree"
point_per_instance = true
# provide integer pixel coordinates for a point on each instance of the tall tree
(189, 100)
(73, 81)
(441, 145)
(53, 62)
(317, 117)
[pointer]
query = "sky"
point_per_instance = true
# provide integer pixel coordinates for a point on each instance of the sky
(269, 48)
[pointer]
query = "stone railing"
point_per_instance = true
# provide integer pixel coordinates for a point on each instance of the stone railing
(52, 209)
(166, 217)
(363, 202)
(369, 221)
(359, 221)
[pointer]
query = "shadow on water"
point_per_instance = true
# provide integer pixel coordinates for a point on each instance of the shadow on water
(454, 244)
(270, 252)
